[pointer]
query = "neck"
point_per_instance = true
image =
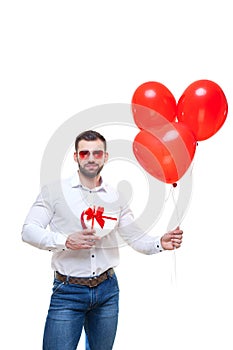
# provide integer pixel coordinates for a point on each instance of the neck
(89, 182)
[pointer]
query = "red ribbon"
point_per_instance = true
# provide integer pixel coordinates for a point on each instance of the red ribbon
(95, 214)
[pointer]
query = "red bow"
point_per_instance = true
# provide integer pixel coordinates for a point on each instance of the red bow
(95, 214)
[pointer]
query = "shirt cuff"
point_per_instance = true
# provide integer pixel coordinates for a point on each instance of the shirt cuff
(158, 246)
(60, 242)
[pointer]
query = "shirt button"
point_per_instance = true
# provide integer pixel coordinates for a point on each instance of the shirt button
(93, 256)
(93, 273)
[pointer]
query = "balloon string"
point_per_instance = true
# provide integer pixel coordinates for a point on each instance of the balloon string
(179, 216)
(175, 205)
(173, 273)
(174, 270)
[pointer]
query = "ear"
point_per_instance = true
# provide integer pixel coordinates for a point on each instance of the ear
(105, 157)
(75, 157)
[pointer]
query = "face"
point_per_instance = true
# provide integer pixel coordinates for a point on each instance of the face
(90, 157)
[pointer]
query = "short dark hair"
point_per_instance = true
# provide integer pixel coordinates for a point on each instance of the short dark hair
(90, 135)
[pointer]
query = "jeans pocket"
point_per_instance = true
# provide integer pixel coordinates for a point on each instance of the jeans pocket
(57, 286)
(114, 281)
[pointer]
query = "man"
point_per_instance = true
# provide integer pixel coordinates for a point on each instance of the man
(88, 221)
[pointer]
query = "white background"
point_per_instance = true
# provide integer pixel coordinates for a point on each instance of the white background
(61, 57)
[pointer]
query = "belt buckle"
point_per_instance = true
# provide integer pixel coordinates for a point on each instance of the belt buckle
(93, 282)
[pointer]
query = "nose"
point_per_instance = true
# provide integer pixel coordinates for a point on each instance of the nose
(91, 157)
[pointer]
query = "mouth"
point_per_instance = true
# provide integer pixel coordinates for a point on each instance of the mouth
(91, 166)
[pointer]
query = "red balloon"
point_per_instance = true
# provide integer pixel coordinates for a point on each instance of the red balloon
(158, 101)
(203, 107)
(165, 153)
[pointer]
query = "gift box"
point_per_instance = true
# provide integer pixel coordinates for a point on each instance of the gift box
(94, 218)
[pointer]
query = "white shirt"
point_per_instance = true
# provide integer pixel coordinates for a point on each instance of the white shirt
(56, 213)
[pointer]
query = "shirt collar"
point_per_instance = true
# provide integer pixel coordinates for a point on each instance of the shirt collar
(75, 183)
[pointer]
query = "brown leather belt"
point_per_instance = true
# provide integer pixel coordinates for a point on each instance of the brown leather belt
(85, 281)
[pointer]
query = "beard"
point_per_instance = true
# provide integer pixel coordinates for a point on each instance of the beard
(91, 174)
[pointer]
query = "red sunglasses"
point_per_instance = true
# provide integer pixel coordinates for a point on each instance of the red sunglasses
(86, 154)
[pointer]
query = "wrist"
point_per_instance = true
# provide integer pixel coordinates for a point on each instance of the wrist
(68, 243)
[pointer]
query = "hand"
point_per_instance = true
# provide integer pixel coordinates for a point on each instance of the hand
(85, 239)
(172, 239)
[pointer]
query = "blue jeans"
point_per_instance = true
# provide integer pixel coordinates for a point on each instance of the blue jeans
(73, 307)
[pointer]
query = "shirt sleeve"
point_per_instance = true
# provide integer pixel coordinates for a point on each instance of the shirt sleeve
(35, 229)
(135, 236)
